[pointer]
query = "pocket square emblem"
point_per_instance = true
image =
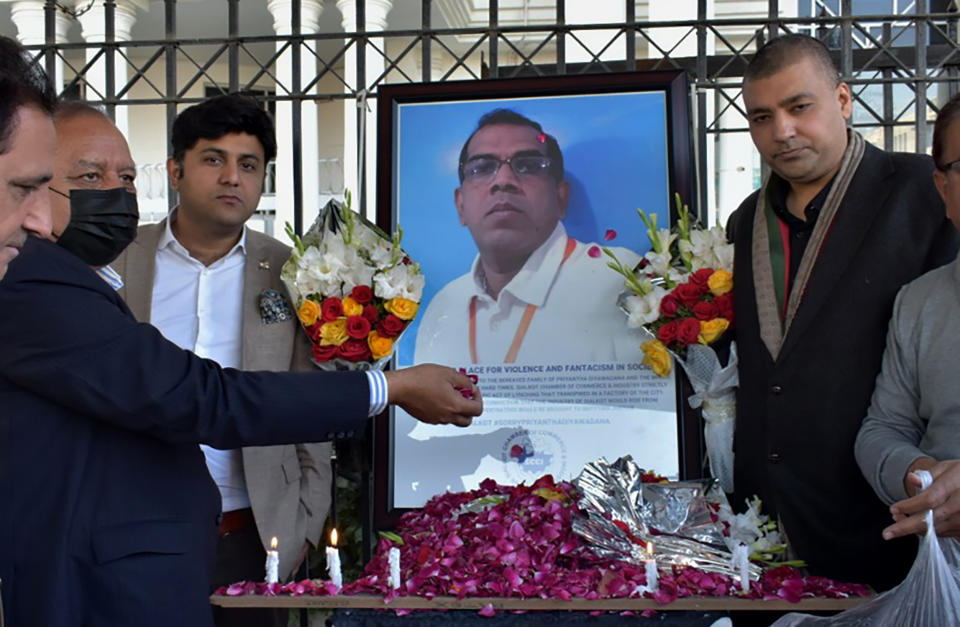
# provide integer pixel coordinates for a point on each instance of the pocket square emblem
(273, 307)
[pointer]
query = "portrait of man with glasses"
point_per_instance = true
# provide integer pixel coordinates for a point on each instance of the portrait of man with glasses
(534, 294)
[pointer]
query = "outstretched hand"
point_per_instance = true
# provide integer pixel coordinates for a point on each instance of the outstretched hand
(943, 497)
(435, 394)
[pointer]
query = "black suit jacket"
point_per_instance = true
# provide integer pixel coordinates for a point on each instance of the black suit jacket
(798, 415)
(108, 515)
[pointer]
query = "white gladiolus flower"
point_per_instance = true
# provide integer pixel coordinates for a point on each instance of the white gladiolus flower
(358, 274)
(643, 310)
(700, 245)
(767, 542)
(413, 287)
(724, 255)
(390, 283)
(317, 272)
(663, 240)
(334, 247)
(310, 258)
(364, 238)
(659, 262)
(381, 254)
(308, 283)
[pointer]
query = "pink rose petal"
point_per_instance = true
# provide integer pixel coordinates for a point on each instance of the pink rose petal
(609, 235)
(593, 251)
(521, 544)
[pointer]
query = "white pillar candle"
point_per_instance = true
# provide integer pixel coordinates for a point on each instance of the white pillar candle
(273, 562)
(333, 561)
(741, 561)
(650, 568)
(394, 557)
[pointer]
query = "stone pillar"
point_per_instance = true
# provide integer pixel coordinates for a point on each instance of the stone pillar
(93, 29)
(376, 18)
(28, 17)
(310, 164)
(439, 64)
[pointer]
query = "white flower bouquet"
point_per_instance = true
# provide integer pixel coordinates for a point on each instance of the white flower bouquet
(354, 288)
(681, 294)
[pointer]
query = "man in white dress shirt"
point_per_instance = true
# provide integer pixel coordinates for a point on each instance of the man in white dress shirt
(534, 294)
(212, 286)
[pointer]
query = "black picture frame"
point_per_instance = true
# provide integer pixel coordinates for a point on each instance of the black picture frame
(673, 84)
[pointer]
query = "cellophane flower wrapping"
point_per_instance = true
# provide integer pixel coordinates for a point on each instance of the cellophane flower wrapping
(623, 513)
(929, 595)
(681, 296)
(354, 287)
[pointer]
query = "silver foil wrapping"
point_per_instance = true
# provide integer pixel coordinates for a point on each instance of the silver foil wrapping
(675, 516)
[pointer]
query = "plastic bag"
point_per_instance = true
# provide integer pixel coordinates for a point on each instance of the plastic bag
(930, 594)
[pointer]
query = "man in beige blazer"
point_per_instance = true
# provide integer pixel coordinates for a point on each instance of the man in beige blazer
(181, 275)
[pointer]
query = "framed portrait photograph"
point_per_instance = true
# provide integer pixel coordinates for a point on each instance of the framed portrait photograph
(507, 192)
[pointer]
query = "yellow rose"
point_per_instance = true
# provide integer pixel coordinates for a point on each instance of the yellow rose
(351, 307)
(711, 330)
(308, 313)
(401, 308)
(379, 346)
(333, 332)
(656, 356)
(720, 282)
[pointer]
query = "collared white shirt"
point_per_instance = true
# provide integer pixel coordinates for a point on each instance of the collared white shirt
(576, 318)
(200, 308)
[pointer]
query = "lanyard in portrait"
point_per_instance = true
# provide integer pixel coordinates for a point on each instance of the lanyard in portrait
(524, 320)
(779, 235)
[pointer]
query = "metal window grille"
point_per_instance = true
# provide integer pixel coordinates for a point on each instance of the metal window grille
(900, 62)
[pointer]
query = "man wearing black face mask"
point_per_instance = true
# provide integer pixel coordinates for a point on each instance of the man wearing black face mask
(93, 198)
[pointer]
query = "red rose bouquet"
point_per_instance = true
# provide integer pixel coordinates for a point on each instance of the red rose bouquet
(682, 295)
(355, 289)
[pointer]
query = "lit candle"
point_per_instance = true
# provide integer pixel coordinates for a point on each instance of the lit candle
(273, 561)
(333, 561)
(394, 557)
(650, 566)
(741, 560)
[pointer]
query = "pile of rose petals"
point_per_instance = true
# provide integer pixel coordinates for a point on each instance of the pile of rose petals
(516, 541)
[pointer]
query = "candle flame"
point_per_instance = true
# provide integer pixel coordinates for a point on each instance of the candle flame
(650, 549)
(273, 543)
(333, 537)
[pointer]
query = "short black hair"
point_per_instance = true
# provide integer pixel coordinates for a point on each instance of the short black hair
(948, 113)
(509, 116)
(786, 50)
(22, 84)
(218, 116)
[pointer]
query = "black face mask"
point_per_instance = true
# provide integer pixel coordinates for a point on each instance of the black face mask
(102, 223)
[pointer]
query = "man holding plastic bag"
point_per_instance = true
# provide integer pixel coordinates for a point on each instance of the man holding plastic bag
(914, 417)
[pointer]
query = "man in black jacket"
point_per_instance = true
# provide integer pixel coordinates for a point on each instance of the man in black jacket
(27, 145)
(821, 250)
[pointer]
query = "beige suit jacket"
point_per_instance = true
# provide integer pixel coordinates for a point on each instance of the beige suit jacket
(289, 486)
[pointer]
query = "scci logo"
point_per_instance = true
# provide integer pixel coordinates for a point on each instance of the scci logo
(531, 454)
